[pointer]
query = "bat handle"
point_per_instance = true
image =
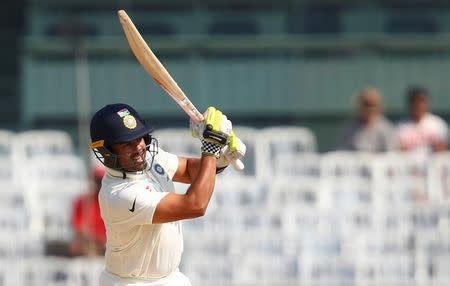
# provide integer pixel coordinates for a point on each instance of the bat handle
(237, 165)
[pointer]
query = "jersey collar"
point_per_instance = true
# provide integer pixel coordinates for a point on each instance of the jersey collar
(125, 175)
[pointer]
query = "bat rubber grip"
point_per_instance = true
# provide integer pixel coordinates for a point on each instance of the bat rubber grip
(237, 165)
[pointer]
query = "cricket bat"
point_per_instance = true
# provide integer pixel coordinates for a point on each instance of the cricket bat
(158, 72)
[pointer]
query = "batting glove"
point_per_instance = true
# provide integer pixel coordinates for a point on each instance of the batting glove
(214, 131)
(233, 152)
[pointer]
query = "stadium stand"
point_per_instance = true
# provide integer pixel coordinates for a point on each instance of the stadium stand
(339, 218)
(233, 27)
(54, 182)
(294, 217)
(413, 24)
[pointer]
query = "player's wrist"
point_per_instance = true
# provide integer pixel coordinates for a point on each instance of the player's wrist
(210, 149)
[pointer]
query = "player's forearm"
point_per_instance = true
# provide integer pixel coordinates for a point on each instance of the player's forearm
(187, 170)
(193, 167)
(201, 189)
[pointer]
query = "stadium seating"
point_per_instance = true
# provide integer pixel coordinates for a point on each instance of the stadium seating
(278, 141)
(439, 173)
(338, 218)
(250, 137)
(400, 179)
(55, 181)
(305, 165)
(5, 142)
(29, 144)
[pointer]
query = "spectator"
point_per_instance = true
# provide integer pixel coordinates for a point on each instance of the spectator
(422, 132)
(369, 131)
(89, 229)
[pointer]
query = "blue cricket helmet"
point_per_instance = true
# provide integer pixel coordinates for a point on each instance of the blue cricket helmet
(117, 123)
(114, 124)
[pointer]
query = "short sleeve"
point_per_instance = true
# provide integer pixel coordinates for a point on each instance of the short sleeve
(444, 130)
(437, 127)
(145, 206)
(168, 161)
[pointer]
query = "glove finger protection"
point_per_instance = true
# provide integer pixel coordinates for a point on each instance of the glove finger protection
(214, 131)
(232, 153)
(236, 150)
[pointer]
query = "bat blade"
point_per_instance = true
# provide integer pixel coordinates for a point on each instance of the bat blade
(158, 72)
(154, 68)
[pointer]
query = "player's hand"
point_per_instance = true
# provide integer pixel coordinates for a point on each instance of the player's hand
(232, 153)
(214, 131)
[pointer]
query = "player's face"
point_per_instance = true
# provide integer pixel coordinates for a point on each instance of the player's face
(418, 108)
(368, 109)
(131, 155)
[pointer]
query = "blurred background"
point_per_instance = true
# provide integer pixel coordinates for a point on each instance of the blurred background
(307, 210)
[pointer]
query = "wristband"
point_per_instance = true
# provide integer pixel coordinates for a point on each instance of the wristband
(210, 149)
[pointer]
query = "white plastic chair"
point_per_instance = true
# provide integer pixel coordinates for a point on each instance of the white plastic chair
(301, 193)
(275, 141)
(338, 165)
(11, 271)
(6, 142)
(252, 161)
(264, 269)
(54, 182)
(300, 165)
(238, 192)
(32, 143)
(400, 178)
(319, 260)
(86, 270)
(440, 265)
(431, 228)
(346, 184)
(13, 221)
(439, 177)
(56, 169)
(205, 269)
(21, 244)
(53, 271)
(8, 171)
(8, 164)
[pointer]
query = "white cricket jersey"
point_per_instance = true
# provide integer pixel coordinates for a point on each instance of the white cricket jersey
(419, 136)
(135, 247)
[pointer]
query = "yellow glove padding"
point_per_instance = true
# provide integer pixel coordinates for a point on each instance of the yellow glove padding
(215, 128)
(213, 120)
(233, 153)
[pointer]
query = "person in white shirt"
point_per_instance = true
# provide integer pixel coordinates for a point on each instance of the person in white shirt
(424, 132)
(140, 209)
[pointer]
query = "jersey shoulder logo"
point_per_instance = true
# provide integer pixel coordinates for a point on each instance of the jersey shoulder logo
(160, 170)
(134, 204)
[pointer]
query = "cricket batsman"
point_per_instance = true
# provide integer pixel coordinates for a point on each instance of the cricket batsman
(141, 211)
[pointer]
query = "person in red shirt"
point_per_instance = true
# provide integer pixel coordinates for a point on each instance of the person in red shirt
(89, 229)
